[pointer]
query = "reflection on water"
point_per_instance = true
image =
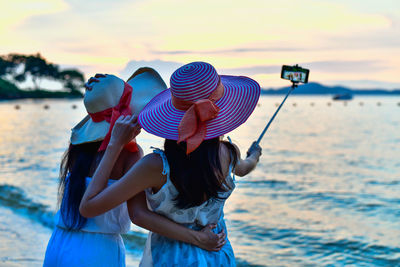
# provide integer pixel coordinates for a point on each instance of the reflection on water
(325, 191)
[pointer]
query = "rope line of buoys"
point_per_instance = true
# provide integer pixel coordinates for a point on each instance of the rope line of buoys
(46, 106)
(345, 103)
(312, 104)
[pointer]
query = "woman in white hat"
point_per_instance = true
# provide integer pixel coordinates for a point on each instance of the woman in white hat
(77, 241)
(191, 179)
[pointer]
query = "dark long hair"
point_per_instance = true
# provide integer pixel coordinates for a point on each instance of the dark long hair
(197, 176)
(77, 163)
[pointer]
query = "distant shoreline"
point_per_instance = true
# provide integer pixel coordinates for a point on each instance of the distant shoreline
(319, 89)
(9, 91)
(43, 95)
(17, 100)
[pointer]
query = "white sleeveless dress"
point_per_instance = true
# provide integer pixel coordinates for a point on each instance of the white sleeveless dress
(98, 243)
(162, 251)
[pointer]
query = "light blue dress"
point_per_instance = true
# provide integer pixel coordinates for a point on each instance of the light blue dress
(162, 251)
(98, 243)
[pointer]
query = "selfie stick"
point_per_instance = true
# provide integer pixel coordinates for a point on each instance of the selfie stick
(294, 85)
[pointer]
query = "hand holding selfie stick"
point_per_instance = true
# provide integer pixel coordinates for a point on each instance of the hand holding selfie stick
(287, 73)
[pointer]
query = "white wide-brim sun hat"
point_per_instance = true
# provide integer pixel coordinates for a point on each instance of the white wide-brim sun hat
(145, 82)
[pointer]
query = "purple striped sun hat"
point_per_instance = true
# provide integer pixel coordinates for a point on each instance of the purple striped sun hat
(196, 87)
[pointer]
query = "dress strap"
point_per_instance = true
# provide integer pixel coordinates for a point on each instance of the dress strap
(164, 159)
(231, 163)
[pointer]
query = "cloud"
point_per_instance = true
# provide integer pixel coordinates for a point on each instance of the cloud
(362, 66)
(229, 51)
(372, 39)
(365, 84)
(14, 12)
(345, 39)
(331, 68)
(355, 66)
(165, 68)
(255, 70)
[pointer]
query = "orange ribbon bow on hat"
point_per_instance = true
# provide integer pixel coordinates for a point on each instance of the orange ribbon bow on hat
(192, 127)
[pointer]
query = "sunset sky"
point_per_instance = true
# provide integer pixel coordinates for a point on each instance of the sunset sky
(354, 43)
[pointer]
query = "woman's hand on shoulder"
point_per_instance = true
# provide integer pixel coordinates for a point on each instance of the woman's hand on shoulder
(125, 129)
(209, 240)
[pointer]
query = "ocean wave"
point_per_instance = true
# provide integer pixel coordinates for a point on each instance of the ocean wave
(14, 197)
(332, 252)
(268, 184)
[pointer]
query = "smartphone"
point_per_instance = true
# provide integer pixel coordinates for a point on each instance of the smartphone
(295, 74)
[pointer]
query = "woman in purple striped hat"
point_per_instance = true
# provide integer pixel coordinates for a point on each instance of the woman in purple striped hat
(190, 180)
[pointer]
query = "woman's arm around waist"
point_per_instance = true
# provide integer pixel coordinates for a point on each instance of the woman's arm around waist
(143, 217)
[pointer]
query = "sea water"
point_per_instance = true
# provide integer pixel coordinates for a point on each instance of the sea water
(326, 191)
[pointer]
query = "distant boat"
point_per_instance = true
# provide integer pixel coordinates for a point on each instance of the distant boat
(345, 96)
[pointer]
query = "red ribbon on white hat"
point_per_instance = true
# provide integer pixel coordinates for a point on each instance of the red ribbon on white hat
(112, 114)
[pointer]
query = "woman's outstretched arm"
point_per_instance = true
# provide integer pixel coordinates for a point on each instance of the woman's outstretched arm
(245, 166)
(143, 217)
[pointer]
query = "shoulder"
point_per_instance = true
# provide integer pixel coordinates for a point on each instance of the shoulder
(226, 149)
(153, 161)
(226, 156)
(152, 167)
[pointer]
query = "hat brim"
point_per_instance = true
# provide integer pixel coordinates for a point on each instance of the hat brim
(145, 82)
(87, 131)
(240, 97)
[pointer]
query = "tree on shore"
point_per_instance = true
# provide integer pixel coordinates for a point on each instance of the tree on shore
(6, 66)
(21, 67)
(72, 79)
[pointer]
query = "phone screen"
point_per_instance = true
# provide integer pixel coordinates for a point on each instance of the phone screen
(294, 74)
